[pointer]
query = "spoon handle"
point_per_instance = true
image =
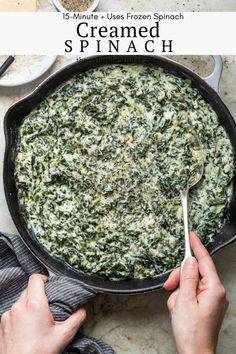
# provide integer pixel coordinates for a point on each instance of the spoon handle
(185, 208)
(6, 64)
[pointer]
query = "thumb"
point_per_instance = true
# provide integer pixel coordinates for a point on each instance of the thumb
(70, 326)
(189, 279)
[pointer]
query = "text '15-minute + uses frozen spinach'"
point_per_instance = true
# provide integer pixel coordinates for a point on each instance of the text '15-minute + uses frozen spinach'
(93, 170)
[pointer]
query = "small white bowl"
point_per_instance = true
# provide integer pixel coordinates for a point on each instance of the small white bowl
(59, 7)
(18, 79)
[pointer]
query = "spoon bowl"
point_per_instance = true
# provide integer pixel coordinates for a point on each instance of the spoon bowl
(184, 194)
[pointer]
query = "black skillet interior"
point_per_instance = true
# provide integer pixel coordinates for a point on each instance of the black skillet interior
(17, 113)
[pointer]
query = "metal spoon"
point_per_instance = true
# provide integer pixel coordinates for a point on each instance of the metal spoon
(184, 195)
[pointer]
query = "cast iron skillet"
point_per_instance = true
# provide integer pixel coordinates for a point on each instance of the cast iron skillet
(17, 113)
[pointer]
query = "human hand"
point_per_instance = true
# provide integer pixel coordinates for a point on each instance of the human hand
(198, 306)
(28, 327)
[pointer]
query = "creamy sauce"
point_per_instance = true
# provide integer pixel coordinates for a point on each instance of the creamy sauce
(93, 177)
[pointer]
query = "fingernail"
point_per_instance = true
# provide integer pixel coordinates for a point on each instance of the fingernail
(190, 263)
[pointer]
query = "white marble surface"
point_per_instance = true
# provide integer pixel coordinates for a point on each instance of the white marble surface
(140, 324)
(157, 5)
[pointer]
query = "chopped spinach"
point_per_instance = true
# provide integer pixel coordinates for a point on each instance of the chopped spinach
(94, 176)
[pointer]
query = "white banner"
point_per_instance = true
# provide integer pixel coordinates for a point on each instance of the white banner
(197, 33)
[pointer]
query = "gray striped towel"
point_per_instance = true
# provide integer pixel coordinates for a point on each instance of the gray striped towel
(64, 294)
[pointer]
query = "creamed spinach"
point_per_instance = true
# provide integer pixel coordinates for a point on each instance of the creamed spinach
(96, 165)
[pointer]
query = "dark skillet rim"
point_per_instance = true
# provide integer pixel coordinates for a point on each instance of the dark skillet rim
(225, 236)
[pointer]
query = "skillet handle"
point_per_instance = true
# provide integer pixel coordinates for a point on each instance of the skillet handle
(214, 78)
